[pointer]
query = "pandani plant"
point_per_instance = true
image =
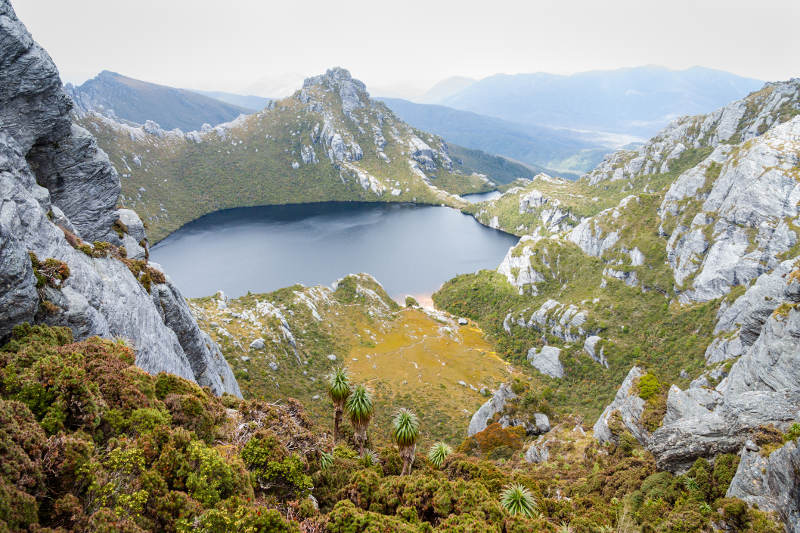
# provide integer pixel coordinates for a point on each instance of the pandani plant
(438, 453)
(405, 433)
(359, 409)
(517, 499)
(338, 390)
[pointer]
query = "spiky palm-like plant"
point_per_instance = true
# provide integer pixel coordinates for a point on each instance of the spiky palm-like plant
(370, 458)
(516, 499)
(438, 453)
(405, 434)
(325, 460)
(359, 409)
(338, 390)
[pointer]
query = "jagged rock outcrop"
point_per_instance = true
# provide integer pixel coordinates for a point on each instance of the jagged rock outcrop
(771, 482)
(538, 451)
(737, 122)
(739, 324)
(591, 238)
(626, 409)
(590, 346)
(516, 267)
(761, 389)
(18, 297)
(52, 172)
(494, 405)
(733, 229)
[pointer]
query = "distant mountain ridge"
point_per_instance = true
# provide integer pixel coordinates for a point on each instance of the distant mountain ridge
(638, 101)
(539, 146)
(247, 101)
(139, 101)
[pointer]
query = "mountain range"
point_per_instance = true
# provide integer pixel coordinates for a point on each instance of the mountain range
(139, 101)
(328, 141)
(541, 147)
(249, 102)
(631, 365)
(636, 101)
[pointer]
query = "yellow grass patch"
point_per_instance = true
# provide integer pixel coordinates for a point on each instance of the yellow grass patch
(433, 368)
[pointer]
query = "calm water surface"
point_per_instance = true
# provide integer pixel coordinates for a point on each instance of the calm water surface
(409, 249)
(481, 196)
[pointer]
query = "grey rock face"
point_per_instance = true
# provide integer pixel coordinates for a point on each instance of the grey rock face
(538, 451)
(761, 389)
(745, 211)
(81, 181)
(494, 405)
(205, 358)
(590, 347)
(563, 321)
(133, 223)
(101, 296)
(739, 325)
(628, 407)
(547, 361)
(18, 297)
(771, 483)
(517, 269)
(591, 239)
(135, 240)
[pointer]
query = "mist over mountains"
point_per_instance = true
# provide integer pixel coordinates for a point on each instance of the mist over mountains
(637, 101)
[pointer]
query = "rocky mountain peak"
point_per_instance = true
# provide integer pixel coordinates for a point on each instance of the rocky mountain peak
(352, 92)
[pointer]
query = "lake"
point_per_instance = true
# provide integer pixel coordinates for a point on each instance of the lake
(409, 249)
(474, 198)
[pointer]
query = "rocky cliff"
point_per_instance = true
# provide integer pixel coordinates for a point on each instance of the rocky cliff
(68, 255)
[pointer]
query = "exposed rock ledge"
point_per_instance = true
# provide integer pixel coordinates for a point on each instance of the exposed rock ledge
(52, 172)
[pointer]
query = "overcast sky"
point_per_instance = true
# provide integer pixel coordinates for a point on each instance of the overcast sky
(405, 46)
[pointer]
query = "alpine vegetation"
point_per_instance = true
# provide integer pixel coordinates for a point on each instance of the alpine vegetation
(338, 390)
(360, 410)
(438, 453)
(405, 435)
(517, 499)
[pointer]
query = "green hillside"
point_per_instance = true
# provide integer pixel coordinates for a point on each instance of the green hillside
(328, 142)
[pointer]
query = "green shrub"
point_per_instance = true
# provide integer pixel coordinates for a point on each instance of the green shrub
(276, 470)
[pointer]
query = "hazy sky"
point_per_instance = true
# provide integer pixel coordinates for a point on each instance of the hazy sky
(405, 46)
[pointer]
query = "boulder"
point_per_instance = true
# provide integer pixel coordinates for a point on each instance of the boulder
(494, 405)
(541, 422)
(257, 344)
(547, 361)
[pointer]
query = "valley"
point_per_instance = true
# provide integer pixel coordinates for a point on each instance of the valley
(318, 317)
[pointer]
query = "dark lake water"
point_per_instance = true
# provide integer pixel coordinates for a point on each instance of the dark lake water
(409, 249)
(481, 196)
